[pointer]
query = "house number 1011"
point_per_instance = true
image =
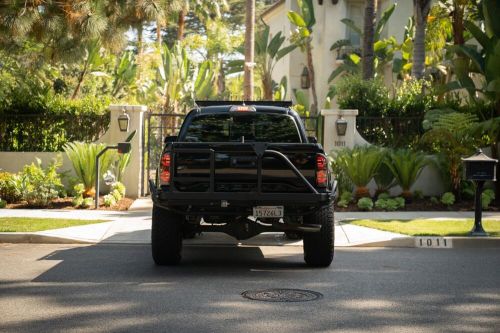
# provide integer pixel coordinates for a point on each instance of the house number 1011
(433, 242)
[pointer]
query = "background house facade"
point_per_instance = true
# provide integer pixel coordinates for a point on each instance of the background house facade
(328, 30)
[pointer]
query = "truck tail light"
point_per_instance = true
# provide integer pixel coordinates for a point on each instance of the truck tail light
(321, 171)
(165, 169)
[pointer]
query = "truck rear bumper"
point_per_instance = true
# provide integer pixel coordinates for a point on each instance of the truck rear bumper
(234, 202)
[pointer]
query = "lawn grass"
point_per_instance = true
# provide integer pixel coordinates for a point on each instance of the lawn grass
(422, 227)
(26, 224)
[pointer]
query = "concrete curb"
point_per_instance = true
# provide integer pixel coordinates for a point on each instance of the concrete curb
(458, 242)
(26, 237)
(402, 242)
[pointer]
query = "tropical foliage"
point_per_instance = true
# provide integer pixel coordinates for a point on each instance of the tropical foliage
(406, 166)
(360, 164)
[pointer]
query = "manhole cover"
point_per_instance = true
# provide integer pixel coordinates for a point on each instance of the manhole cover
(282, 295)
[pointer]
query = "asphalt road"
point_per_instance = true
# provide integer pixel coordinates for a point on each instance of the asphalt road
(116, 288)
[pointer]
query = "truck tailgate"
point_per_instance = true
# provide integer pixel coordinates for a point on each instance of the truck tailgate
(235, 167)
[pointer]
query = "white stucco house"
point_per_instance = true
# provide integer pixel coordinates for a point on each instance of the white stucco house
(328, 29)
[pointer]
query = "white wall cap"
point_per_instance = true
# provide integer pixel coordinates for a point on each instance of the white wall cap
(128, 108)
(338, 112)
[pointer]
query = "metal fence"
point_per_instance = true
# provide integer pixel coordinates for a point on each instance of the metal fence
(390, 131)
(49, 132)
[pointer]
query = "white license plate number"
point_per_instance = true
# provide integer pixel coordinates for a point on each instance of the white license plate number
(268, 211)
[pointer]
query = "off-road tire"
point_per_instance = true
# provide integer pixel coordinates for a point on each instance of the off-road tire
(319, 246)
(166, 237)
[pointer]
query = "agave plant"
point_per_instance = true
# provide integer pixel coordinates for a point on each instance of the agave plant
(360, 164)
(82, 155)
(406, 166)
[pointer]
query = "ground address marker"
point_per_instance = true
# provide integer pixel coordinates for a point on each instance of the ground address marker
(434, 242)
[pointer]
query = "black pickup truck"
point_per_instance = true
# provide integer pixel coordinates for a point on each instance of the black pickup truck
(243, 168)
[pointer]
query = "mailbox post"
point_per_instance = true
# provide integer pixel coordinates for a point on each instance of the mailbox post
(123, 148)
(479, 168)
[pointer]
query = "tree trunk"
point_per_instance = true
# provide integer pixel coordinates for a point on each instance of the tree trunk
(80, 80)
(158, 33)
(310, 67)
(368, 56)
(181, 22)
(421, 10)
(249, 50)
(267, 86)
(221, 80)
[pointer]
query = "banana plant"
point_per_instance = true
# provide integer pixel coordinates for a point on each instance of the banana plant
(175, 73)
(205, 80)
(384, 48)
(268, 51)
(124, 73)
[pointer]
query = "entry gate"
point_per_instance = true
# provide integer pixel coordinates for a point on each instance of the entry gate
(159, 125)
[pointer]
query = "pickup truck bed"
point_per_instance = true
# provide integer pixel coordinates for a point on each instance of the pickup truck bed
(250, 181)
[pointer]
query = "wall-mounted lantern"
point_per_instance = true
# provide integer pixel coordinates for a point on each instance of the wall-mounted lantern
(305, 80)
(123, 121)
(341, 126)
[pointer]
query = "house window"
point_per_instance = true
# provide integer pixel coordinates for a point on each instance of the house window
(355, 12)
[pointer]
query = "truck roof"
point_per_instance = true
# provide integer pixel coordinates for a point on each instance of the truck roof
(227, 107)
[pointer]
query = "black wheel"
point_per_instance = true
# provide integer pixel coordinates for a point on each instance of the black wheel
(166, 237)
(319, 246)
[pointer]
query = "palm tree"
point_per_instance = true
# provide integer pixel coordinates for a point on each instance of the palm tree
(421, 10)
(368, 38)
(203, 9)
(249, 50)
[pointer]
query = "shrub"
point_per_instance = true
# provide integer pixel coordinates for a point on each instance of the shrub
(82, 156)
(383, 195)
(8, 190)
(119, 187)
(77, 201)
(360, 164)
(389, 204)
(343, 203)
(78, 189)
(400, 202)
(384, 179)
(448, 199)
(88, 202)
(346, 196)
(116, 194)
(365, 204)
(434, 200)
(410, 99)
(417, 194)
(370, 97)
(39, 186)
(406, 166)
(3, 203)
(109, 200)
(487, 197)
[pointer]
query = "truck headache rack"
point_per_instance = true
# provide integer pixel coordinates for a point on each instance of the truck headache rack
(283, 104)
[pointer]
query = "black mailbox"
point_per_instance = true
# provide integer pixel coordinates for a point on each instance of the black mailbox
(480, 167)
(124, 147)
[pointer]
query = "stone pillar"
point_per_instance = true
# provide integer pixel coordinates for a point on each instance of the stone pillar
(331, 140)
(133, 173)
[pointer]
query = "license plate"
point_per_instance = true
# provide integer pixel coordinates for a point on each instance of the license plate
(268, 211)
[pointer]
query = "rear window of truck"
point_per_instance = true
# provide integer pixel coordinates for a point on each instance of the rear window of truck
(255, 127)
